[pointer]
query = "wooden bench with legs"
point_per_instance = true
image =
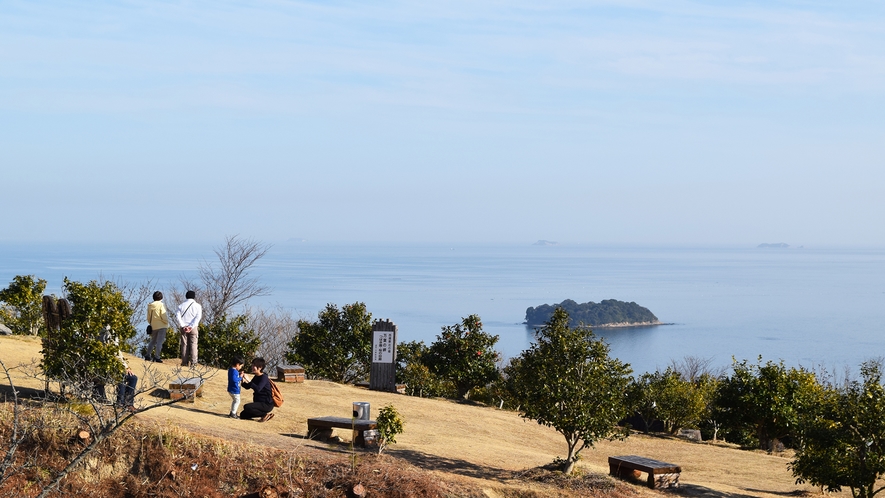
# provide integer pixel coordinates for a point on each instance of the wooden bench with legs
(364, 431)
(660, 474)
(186, 388)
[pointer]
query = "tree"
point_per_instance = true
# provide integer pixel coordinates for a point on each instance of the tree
(390, 424)
(642, 399)
(842, 438)
(464, 354)
(230, 284)
(221, 340)
(419, 380)
(761, 404)
(84, 350)
(338, 346)
(670, 398)
(22, 311)
(566, 380)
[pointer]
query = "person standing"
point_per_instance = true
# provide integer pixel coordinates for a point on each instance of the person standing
(234, 378)
(159, 322)
(189, 314)
(262, 398)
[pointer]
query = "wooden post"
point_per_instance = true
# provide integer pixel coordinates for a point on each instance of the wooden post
(382, 376)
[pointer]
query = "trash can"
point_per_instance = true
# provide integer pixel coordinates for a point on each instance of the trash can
(361, 410)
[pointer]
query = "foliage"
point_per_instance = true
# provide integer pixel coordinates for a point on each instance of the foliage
(669, 398)
(85, 348)
(592, 314)
(566, 380)
(338, 346)
(464, 354)
(390, 424)
(761, 404)
(222, 340)
(419, 380)
(843, 437)
(494, 394)
(23, 308)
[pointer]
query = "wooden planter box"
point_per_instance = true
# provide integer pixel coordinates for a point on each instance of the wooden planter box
(290, 373)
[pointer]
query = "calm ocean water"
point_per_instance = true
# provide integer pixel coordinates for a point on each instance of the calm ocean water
(808, 306)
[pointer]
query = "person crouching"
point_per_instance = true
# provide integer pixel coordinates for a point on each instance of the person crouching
(262, 399)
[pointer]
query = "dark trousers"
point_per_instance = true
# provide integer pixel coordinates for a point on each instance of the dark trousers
(256, 410)
(126, 390)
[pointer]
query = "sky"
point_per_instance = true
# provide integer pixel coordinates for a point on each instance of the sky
(581, 122)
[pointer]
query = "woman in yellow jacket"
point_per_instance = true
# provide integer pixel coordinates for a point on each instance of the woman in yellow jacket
(159, 322)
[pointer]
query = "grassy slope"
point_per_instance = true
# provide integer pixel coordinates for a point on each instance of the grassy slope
(472, 443)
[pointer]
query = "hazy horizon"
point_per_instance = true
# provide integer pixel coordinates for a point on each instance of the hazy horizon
(594, 122)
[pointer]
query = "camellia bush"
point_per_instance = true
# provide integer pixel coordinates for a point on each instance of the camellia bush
(223, 339)
(336, 347)
(390, 424)
(84, 349)
(761, 404)
(566, 380)
(21, 308)
(464, 355)
(417, 377)
(843, 437)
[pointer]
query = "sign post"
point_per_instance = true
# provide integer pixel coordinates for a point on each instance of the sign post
(382, 376)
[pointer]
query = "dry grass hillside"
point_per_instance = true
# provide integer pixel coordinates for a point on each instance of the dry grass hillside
(483, 447)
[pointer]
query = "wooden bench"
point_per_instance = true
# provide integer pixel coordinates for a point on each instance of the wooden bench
(187, 389)
(660, 474)
(364, 431)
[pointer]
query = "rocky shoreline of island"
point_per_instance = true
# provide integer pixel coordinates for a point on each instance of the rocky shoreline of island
(621, 325)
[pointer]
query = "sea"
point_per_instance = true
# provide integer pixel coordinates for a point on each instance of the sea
(820, 308)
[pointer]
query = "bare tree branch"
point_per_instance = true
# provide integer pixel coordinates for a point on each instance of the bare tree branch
(17, 436)
(275, 328)
(103, 418)
(229, 284)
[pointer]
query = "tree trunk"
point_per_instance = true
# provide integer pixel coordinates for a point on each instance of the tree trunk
(571, 458)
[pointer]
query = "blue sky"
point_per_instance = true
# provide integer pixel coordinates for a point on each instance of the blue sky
(625, 122)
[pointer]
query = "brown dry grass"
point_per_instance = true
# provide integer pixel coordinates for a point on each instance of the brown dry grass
(463, 444)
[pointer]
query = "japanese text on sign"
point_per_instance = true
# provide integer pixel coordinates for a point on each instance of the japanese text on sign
(382, 349)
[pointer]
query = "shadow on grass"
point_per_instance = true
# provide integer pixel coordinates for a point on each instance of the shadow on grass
(694, 490)
(451, 465)
(795, 492)
(23, 393)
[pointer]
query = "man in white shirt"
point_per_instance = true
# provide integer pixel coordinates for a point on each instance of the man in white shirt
(188, 315)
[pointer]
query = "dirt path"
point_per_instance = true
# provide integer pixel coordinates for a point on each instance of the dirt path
(462, 439)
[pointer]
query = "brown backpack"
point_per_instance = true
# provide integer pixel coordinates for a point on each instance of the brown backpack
(275, 394)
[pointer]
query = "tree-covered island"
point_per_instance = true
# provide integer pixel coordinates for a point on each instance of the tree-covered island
(607, 313)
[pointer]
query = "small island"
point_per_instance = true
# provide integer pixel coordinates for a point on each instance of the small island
(608, 313)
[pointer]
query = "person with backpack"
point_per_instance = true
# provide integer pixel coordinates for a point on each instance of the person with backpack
(262, 398)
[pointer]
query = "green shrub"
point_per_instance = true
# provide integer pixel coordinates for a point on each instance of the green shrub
(390, 424)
